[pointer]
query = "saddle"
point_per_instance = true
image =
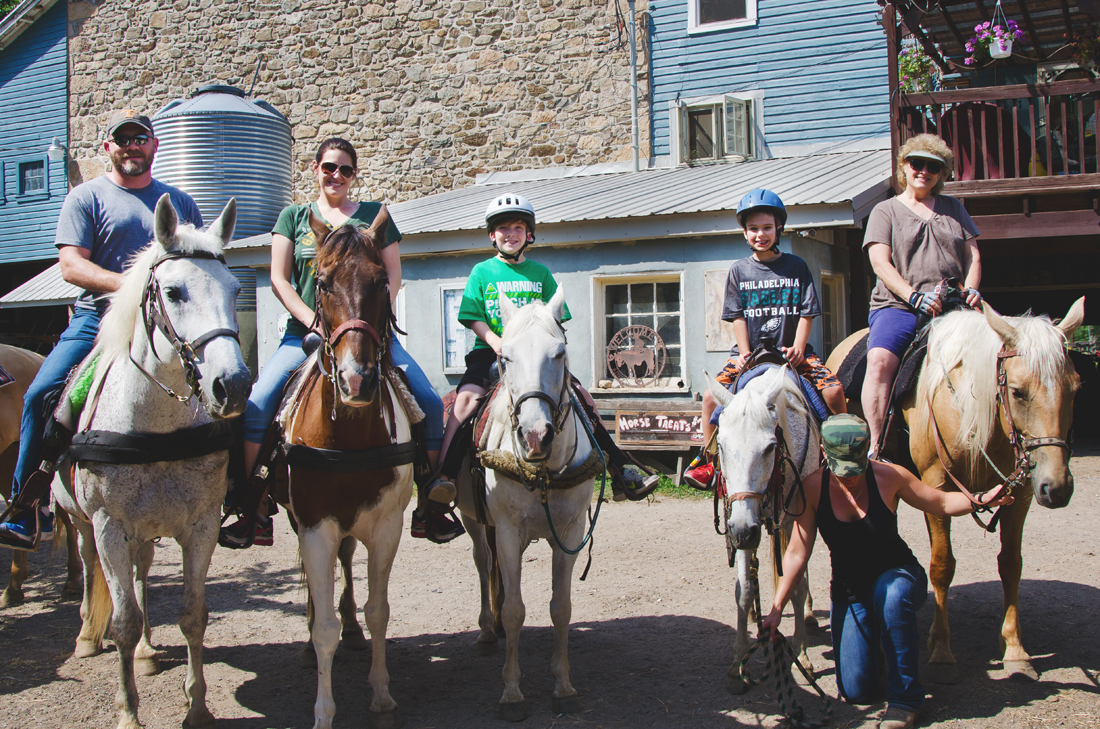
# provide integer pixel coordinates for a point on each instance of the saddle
(764, 359)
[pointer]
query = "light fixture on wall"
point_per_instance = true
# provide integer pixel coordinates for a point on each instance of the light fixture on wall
(56, 150)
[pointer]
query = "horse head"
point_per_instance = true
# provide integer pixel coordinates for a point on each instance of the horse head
(1039, 385)
(190, 306)
(748, 449)
(535, 370)
(353, 303)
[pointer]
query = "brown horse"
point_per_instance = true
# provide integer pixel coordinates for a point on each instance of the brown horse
(346, 440)
(989, 382)
(23, 366)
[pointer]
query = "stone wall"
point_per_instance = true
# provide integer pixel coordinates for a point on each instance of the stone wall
(430, 92)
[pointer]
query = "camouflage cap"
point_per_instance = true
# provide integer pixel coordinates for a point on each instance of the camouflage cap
(846, 440)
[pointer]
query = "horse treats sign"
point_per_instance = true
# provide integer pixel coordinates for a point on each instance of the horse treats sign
(674, 430)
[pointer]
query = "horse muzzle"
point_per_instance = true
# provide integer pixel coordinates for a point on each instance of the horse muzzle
(357, 386)
(227, 396)
(1053, 493)
(537, 442)
(744, 536)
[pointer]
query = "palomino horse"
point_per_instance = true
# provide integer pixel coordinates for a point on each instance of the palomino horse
(1001, 393)
(348, 443)
(534, 426)
(167, 374)
(764, 432)
(23, 366)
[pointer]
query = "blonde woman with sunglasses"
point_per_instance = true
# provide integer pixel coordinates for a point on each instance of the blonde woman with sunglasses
(914, 240)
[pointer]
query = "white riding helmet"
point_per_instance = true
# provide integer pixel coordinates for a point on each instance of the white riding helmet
(509, 206)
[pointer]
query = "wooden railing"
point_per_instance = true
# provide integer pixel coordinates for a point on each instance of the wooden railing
(1012, 132)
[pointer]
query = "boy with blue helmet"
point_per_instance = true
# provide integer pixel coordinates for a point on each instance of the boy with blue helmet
(770, 298)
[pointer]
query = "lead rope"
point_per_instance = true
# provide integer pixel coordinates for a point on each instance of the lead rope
(778, 656)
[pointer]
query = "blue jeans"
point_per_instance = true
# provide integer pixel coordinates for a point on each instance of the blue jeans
(75, 344)
(890, 621)
(267, 392)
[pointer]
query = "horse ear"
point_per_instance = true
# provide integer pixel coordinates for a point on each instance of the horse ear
(318, 226)
(508, 309)
(1004, 330)
(165, 222)
(721, 395)
(226, 222)
(378, 227)
(1074, 318)
(557, 304)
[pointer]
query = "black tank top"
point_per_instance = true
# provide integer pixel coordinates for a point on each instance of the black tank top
(861, 550)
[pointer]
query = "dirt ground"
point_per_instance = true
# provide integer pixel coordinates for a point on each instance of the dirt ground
(650, 644)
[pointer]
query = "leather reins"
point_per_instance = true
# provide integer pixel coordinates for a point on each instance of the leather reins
(154, 314)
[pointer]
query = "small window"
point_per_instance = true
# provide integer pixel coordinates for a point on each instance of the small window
(709, 15)
(713, 128)
(457, 339)
(629, 356)
(32, 177)
(832, 312)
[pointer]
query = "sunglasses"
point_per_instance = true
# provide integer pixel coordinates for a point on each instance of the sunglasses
(919, 163)
(330, 168)
(139, 139)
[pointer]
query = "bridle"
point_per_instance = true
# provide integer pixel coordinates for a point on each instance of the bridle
(560, 407)
(154, 315)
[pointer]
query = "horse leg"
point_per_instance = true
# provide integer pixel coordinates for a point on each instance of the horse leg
(800, 640)
(483, 559)
(73, 588)
(496, 586)
(812, 625)
(145, 655)
(309, 655)
(941, 664)
(381, 551)
(318, 547)
(197, 551)
(96, 607)
(744, 596)
(509, 552)
(564, 699)
(117, 556)
(1017, 662)
(351, 632)
(13, 593)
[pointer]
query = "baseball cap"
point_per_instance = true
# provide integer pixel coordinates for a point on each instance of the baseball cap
(846, 440)
(926, 155)
(127, 116)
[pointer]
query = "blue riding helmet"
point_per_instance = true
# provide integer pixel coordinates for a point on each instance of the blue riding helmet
(763, 200)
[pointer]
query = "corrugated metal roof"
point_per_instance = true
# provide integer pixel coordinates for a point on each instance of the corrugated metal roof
(46, 288)
(810, 180)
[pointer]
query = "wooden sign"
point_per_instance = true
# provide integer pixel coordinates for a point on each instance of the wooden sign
(668, 429)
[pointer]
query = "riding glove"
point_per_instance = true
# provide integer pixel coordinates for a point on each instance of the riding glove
(923, 302)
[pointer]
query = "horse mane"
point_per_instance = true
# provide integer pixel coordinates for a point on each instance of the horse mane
(963, 343)
(349, 241)
(534, 314)
(116, 333)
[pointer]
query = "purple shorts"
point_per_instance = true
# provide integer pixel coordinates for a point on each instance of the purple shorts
(892, 330)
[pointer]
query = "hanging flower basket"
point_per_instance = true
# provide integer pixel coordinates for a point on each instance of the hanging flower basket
(1001, 47)
(993, 38)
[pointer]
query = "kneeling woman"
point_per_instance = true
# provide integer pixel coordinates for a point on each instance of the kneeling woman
(877, 585)
(293, 248)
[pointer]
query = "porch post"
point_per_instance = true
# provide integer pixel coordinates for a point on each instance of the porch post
(890, 24)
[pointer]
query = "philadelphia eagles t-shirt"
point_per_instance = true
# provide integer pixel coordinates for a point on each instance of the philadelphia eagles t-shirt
(771, 298)
(522, 283)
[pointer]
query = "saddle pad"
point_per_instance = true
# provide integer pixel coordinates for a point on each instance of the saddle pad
(853, 369)
(5, 378)
(813, 398)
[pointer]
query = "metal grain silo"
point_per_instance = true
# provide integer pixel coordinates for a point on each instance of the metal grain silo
(219, 144)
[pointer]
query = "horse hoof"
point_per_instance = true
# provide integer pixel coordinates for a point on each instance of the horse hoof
(87, 649)
(514, 711)
(309, 656)
(486, 648)
(1021, 670)
(386, 719)
(353, 641)
(202, 719)
(736, 686)
(566, 704)
(72, 592)
(11, 598)
(146, 666)
(943, 673)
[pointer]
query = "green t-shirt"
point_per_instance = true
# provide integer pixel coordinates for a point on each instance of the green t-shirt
(293, 223)
(522, 283)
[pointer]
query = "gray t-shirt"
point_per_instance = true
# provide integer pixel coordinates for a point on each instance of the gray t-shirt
(771, 298)
(924, 252)
(114, 223)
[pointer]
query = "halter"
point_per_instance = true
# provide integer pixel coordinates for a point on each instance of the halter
(560, 407)
(154, 314)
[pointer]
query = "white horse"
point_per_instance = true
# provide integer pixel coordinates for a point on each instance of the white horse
(534, 425)
(748, 449)
(178, 296)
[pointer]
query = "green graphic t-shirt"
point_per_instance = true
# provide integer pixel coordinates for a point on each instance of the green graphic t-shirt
(522, 283)
(293, 223)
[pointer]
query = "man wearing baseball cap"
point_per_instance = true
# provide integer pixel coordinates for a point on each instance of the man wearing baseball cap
(877, 583)
(103, 223)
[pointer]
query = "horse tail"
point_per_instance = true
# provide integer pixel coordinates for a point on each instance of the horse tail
(60, 530)
(496, 584)
(100, 607)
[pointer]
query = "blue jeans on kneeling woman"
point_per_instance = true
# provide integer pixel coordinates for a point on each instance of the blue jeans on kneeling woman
(889, 620)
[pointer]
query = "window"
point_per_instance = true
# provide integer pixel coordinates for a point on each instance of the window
(32, 177)
(832, 312)
(714, 128)
(653, 302)
(457, 339)
(705, 16)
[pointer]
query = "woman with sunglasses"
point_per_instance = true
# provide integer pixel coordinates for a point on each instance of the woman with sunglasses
(914, 240)
(293, 248)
